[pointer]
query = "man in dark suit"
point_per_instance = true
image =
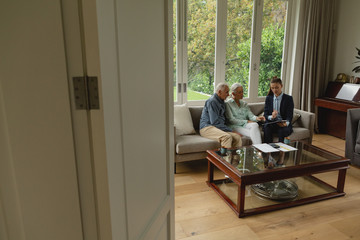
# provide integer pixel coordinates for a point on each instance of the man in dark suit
(279, 109)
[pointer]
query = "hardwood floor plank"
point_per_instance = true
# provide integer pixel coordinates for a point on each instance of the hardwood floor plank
(315, 232)
(348, 226)
(179, 231)
(236, 233)
(199, 205)
(291, 220)
(210, 223)
(191, 188)
(184, 180)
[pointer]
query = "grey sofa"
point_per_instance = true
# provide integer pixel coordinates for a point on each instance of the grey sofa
(193, 147)
(352, 144)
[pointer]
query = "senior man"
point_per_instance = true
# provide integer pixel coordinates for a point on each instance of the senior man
(212, 122)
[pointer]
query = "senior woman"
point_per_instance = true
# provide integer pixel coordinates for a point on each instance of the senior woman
(239, 116)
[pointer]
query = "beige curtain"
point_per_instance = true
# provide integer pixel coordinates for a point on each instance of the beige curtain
(318, 17)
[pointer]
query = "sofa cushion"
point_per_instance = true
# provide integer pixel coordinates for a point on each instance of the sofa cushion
(190, 156)
(182, 120)
(257, 108)
(194, 143)
(196, 112)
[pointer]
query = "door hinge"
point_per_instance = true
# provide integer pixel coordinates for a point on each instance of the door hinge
(86, 92)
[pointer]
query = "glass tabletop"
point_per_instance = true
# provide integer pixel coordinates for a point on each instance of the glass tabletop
(249, 159)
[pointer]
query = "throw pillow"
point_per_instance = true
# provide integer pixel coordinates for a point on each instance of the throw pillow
(296, 116)
(182, 120)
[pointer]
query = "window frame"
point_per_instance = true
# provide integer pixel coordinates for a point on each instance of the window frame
(220, 50)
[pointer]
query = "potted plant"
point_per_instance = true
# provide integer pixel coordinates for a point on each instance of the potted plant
(357, 68)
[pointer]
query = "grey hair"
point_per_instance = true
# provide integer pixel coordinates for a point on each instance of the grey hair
(235, 86)
(221, 86)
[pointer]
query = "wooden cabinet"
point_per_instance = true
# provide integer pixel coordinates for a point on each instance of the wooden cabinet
(332, 112)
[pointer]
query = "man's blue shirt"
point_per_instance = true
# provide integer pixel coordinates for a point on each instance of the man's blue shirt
(213, 114)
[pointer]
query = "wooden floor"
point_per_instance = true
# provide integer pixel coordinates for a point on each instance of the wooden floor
(200, 214)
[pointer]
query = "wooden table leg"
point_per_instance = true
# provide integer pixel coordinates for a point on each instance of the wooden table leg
(210, 172)
(241, 199)
(341, 180)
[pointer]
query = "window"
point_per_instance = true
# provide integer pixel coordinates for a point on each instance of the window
(194, 51)
(238, 42)
(272, 42)
(227, 40)
(201, 22)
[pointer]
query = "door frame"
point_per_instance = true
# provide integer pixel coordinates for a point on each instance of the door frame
(82, 52)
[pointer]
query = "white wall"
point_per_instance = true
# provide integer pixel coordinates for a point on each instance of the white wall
(346, 37)
(39, 188)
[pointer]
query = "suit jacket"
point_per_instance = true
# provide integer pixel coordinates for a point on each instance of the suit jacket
(286, 108)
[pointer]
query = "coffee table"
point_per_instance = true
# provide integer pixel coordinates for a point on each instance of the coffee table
(254, 182)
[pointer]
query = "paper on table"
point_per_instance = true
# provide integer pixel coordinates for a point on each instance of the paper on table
(264, 147)
(285, 148)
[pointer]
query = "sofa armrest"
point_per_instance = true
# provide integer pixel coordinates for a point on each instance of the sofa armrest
(307, 120)
(352, 121)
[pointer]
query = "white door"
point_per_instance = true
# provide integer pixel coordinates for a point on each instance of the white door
(136, 70)
(39, 194)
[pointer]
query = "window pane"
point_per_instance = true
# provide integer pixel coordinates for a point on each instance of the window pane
(201, 21)
(272, 42)
(238, 42)
(174, 48)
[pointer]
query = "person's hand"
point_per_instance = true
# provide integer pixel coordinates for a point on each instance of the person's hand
(274, 114)
(262, 118)
(250, 121)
